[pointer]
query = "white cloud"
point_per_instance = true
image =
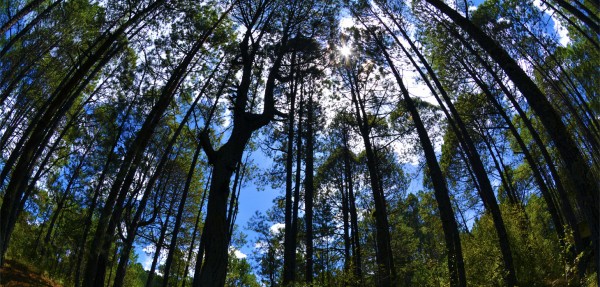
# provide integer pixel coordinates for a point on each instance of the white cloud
(277, 227)
(563, 34)
(148, 255)
(503, 20)
(261, 245)
(561, 31)
(147, 263)
(239, 254)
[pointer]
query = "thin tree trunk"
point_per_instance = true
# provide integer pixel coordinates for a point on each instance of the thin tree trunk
(63, 200)
(309, 189)
(27, 28)
(127, 170)
(198, 217)
(297, 180)
(289, 253)
(159, 244)
(558, 223)
(458, 277)
(32, 147)
(451, 233)
(564, 201)
(356, 252)
(173, 244)
(346, 224)
(384, 255)
(42, 127)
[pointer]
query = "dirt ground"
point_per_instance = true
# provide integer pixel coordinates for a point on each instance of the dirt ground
(15, 274)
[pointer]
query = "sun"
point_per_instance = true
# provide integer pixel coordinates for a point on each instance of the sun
(345, 50)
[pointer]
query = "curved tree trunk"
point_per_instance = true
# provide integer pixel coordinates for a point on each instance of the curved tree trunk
(442, 195)
(113, 207)
(528, 157)
(27, 28)
(479, 174)
(40, 130)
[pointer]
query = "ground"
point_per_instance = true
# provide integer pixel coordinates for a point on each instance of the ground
(14, 274)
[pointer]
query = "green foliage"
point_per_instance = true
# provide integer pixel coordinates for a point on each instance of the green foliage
(240, 273)
(533, 242)
(136, 275)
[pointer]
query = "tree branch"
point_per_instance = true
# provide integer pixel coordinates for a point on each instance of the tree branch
(207, 146)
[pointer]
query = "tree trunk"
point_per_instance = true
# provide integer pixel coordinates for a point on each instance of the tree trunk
(385, 269)
(297, 179)
(63, 200)
(564, 201)
(27, 28)
(289, 253)
(451, 233)
(159, 245)
(198, 217)
(213, 269)
(215, 232)
(309, 190)
(40, 130)
(356, 252)
(181, 207)
(344, 191)
(110, 217)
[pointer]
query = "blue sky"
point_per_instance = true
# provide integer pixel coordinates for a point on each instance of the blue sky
(252, 199)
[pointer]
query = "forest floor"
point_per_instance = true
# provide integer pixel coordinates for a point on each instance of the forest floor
(14, 273)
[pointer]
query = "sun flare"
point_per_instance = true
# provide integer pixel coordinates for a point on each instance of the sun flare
(345, 51)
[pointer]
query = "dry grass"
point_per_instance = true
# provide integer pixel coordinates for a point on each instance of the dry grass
(14, 274)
